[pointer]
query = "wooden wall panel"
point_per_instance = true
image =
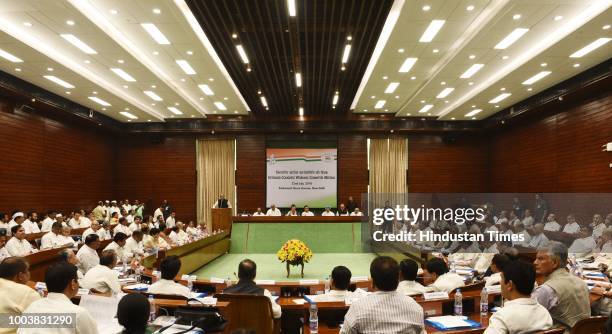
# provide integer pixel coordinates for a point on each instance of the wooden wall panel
(352, 167)
(152, 169)
(251, 172)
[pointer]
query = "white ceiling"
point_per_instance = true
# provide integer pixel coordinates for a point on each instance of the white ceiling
(557, 28)
(30, 30)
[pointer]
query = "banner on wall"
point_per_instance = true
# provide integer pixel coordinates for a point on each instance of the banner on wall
(301, 176)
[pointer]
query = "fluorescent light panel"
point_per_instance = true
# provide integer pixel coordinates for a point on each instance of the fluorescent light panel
(431, 31)
(392, 87)
(99, 101)
(592, 46)
(206, 89)
(500, 97)
(291, 7)
(184, 65)
(264, 102)
(58, 81)
(301, 111)
(346, 53)
(152, 95)
(536, 77)
(473, 112)
(242, 54)
(445, 92)
(9, 57)
(298, 79)
(335, 99)
(380, 104)
(220, 106)
(471, 71)
(155, 33)
(407, 65)
(175, 110)
(511, 38)
(72, 39)
(128, 115)
(123, 74)
(426, 108)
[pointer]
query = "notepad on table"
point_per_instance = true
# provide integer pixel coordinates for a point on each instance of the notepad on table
(451, 321)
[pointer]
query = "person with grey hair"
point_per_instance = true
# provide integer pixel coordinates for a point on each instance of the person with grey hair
(565, 296)
(67, 255)
(538, 240)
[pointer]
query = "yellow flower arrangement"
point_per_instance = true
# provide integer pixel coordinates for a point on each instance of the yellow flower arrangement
(294, 252)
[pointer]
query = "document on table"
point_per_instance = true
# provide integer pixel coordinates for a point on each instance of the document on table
(450, 321)
(103, 310)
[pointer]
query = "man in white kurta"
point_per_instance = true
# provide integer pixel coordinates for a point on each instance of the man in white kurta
(51, 239)
(306, 212)
(18, 245)
(117, 246)
(171, 220)
(551, 224)
(88, 255)
(585, 244)
(258, 213)
(327, 213)
(122, 227)
(134, 245)
(437, 271)
(48, 222)
(16, 296)
(273, 211)
(30, 224)
(169, 268)
(572, 227)
(102, 277)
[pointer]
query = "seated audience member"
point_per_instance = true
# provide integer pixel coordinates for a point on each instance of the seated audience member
(247, 271)
(521, 231)
(497, 264)
(51, 239)
(48, 221)
(93, 229)
(16, 296)
(192, 230)
(4, 219)
(118, 246)
(604, 244)
(65, 238)
(292, 211)
(306, 212)
(133, 245)
(572, 226)
(77, 221)
(31, 223)
(62, 285)
(327, 212)
(565, 296)
(163, 238)
(339, 285)
(598, 225)
(171, 220)
(99, 212)
(342, 210)
(521, 313)
(273, 211)
(88, 254)
(437, 271)
(182, 235)
(528, 220)
(151, 242)
(538, 240)
(135, 226)
(18, 218)
(258, 212)
(173, 236)
(386, 310)
(408, 274)
(102, 277)
(551, 223)
(356, 212)
(584, 244)
(114, 219)
(18, 245)
(169, 267)
(105, 231)
(122, 227)
(133, 313)
(67, 255)
(3, 252)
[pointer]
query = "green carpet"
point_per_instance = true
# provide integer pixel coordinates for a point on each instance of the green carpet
(269, 267)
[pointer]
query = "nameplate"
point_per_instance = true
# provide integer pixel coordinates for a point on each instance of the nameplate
(40, 285)
(309, 281)
(217, 280)
(435, 295)
(186, 277)
(359, 279)
(265, 282)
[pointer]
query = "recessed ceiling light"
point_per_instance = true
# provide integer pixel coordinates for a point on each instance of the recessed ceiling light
(27, 24)
(189, 52)
(426, 108)
(125, 86)
(473, 112)
(206, 89)
(496, 106)
(121, 61)
(436, 50)
(242, 54)
(68, 92)
(471, 83)
(473, 117)
(192, 116)
(70, 22)
(385, 77)
(17, 69)
(379, 104)
(431, 31)
(291, 7)
(576, 65)
(472, 56)
(123, 74)
(301, 113)
(264, 102)
(536, 77)
(156, 11)
(72, 39)
(99, 101)
(211, 79)
(444, 93)
(412, 78)
(400, 50)
(505, 57)
(511, 38)
(335, 99)
(185, 66)
(443, 83)
(50, 69)
(592, 46)
(225, 98)
(94, 92)
(529, 89)
(177, 104)
(473, 106)
(502, 89)
(391, 87)
(298, 79)
(407, 65)
(183, 80)
(471, 71)
(349, 38)
(153, 86)
(346, 53)
(152, 95)
(148, 120)
(544, 64)
(446, 101)
(128, 115)
(426, 8)
(175, 110)
(126, 108)
(453, 118)
(58, 81)
(516, 16)
(342, 68)
(606, 27)
(87, 61)
(558, 18)
(469, 8)
(234, 36)
(113, 11)
(422, 101)
(155, 33)
(373, 97)
(156, 53)
(153, 104)
(220, 106)
(499, 98)
(397, 96)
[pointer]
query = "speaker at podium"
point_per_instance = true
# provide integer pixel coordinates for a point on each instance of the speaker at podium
(221, 219)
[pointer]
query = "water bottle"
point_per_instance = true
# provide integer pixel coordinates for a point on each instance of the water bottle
(124, 269)
(155, 251)
(458, 302)
(41, 292)
(484, 303)
(453, 268)
(327, 284)
(190, 284)
(314, 319)
(152, 311)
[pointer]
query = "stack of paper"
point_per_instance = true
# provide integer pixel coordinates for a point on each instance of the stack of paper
(207, 301)
(103, 310)
(450, 321)
(138, 287)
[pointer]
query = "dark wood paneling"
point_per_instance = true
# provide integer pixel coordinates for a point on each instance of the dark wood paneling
(437, 164)
(559, 153)
(251, 172)
(50, 164)
(152, 169)
(352, 168)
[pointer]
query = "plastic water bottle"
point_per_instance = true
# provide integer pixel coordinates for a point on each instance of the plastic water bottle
(453, 267)
(155, 251)
(152, 311)
(314, 319)
(124, 261)
(458, 302)
(327, 284)
(484, 303)
(190, 284)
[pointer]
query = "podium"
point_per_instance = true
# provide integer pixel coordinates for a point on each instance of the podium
(221, 219)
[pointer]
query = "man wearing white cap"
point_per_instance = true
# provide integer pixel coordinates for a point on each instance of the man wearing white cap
(18, 218)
